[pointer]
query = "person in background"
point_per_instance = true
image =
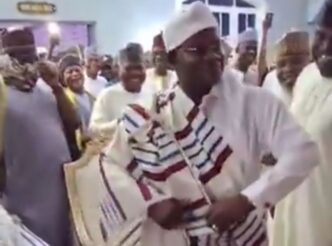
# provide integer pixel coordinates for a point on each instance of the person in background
(159, 77)
(35, 145)
(115, 70)
(111, 102)
(148, 60)
(247, 50)
(106, 70)
(246, 55)
(293, 54)
(93, 83)
(304, 217)
(72, 73)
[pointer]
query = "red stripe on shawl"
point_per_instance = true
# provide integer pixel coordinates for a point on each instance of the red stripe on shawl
(192, 114)
(140, 110)
(183, 133)
(187, 130)
(223, 156)
(132, 166)
(261, 240)
(196, 204)
(147, 195)
(167, 172)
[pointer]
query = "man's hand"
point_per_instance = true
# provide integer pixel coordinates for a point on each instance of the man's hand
(267, 22)
(49, 73)
(168, 213)
(226, 212)
(54, 40)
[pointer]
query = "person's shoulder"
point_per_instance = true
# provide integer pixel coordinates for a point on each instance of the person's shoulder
(102, 79)
(306, 80)
(111, 91)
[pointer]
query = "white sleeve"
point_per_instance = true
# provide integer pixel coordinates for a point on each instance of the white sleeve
(101, 118)
(296, 153)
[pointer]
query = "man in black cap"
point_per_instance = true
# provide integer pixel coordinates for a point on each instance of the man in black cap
(37, 118)
(304, 218)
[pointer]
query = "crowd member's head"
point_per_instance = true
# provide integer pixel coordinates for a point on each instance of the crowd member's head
(247, 49)
(159, 55)
(92, 62)
(106, 68)
(132, 71)
(20, 44)
(71, 73)
(115, 69)
(193, 47)
(293, 54)
(322, 46)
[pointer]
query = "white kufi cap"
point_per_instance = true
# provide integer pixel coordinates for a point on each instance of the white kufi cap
(248, 35)
(187, 23)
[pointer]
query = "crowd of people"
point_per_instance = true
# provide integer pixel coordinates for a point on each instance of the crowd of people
(229, 149)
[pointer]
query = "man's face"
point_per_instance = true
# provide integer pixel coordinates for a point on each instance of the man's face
(199, 60)
(322, 50)
(93, 64)
(132, 75)
(106, 72)
(289, 68)
(247, 53)
(73, 77)
(160, 60)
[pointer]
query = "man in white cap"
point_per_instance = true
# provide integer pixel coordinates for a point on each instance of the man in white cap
(246, 56)
(293, 54)
(93, 83)
(304, 218)
(200, 144)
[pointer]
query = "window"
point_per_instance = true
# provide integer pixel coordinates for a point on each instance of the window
(251, 20)
(221, 2)
(242, 22)
(225, 24)
(191, 1)
(244, 4)
(217, 16)
(246, 21)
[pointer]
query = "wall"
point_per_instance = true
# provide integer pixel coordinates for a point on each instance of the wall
(117, 21)
(132, 20)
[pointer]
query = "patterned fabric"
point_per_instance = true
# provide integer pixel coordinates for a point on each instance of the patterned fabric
(13, 233)
(177, 150)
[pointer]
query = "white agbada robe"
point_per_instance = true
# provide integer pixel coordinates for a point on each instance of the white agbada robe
(110, 104)
(272, 84)
(95, 86)
(304, 218)
(248, 78)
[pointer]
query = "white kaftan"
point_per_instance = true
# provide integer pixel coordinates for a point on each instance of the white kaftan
(304, 218)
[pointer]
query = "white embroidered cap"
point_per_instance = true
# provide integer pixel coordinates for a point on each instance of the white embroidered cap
(187, 23)
(248, 35)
